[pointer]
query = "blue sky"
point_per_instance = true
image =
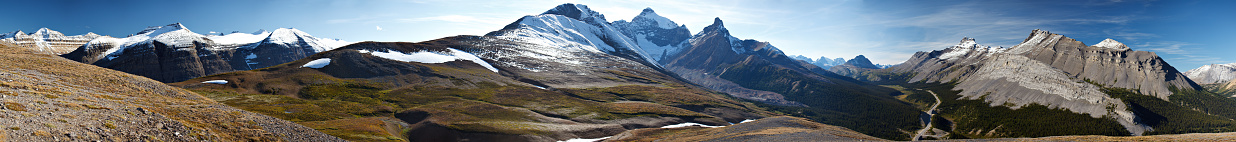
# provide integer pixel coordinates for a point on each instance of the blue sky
(1187, 34)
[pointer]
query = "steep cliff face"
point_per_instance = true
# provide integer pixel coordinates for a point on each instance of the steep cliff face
(165, 53)
(1109, 63)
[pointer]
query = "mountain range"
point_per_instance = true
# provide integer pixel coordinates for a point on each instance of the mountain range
(571, 74)
(173, 53)
(47, 41)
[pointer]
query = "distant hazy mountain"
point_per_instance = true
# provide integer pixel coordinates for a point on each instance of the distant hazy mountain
(758, 71)
(173, 53)
(47, 41)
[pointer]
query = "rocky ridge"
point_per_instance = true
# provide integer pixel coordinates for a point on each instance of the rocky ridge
(47, 41)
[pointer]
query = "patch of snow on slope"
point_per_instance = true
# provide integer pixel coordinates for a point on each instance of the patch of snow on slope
(431, 57)
(319, 63)
(687, 124)
(239, 38)
(586, 140)
(655, 51)
(216, 82)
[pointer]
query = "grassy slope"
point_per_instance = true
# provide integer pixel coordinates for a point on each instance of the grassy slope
(310, 97)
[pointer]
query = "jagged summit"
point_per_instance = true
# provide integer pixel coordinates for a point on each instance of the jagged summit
(651, 16)
(716, 26)
(577, 12)
(196, 55)
(1113, 44)
(47, 33)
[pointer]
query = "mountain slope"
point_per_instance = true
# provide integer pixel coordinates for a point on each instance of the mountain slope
(47, 41)
(460, 96)
(577, 28)
(1108, 82)
(174, 53)
(722, 62)
(855, 67)
(48, 98)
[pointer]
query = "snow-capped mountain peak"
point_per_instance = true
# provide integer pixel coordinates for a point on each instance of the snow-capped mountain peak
(295, 37)
(966, 46)
(288, 36)
(652, 16)
(1212, 73)
(578, 12)
(47, 33)
(1113, 44)
(159, 30)
(12, 34)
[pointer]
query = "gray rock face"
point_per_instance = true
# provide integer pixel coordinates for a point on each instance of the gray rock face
(1051, 70)
(1109, 63)
(1020, 81)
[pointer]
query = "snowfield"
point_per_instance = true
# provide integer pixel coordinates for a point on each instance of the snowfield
(431, 57)
(319, 63)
